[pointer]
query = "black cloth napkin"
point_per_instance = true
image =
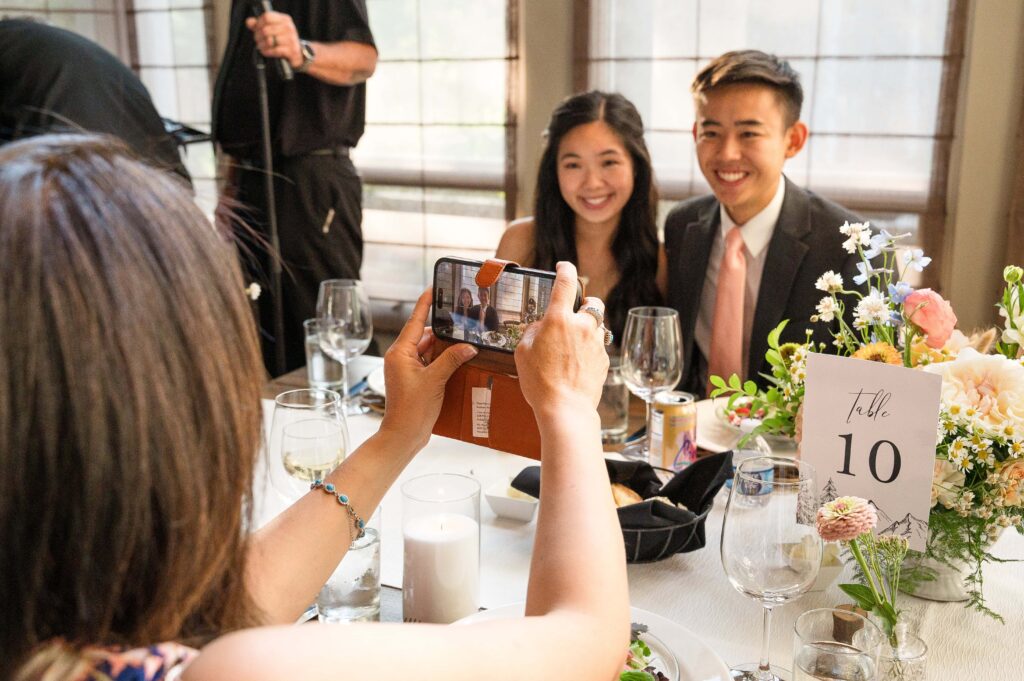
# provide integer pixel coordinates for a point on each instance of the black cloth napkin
(654, 530)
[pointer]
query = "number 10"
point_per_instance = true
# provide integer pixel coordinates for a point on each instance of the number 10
(872, 458)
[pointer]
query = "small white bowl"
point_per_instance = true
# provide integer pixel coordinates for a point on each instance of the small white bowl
(505, 506)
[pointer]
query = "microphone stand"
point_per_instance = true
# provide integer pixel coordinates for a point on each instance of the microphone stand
(271, 206)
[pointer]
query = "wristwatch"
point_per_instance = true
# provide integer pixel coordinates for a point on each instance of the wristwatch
(307, 56)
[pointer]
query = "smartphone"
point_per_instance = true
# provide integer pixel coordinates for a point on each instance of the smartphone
(493, 317)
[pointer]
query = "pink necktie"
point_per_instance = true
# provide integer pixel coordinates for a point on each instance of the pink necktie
(727, 327)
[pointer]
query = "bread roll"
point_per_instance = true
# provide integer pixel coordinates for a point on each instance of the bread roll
(624, 496)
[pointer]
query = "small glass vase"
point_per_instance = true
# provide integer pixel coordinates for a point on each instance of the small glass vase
(946, 584)
(906, 660)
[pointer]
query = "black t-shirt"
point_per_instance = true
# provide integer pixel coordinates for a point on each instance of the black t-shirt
(305, 114)
(52, 80)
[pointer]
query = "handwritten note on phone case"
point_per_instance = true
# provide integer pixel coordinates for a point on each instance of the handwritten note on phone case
(869, 431)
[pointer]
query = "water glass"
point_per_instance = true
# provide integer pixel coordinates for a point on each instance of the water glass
(764, 519)
(343, 307)
(352, 592)
(823, 650)
(322, 370)
(614, 406)
(441, 538)
(906, 661)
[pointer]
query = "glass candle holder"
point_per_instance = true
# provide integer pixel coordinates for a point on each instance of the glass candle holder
(441, 539)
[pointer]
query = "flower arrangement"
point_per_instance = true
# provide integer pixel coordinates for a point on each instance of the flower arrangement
(850, 521)
(978, 484)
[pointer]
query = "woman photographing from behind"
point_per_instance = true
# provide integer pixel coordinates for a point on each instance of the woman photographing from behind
(129, 428)
(595, 205)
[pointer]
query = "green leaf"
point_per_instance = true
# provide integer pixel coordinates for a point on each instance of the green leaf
(775, 359)
(774, 334)
(734, 382)
(750, 388)
(635, 676)
(717, 381)
(861, 594)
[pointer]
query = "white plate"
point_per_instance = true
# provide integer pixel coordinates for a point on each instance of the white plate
(375, 379)
(696, 661)
(715, 435)
(494, 339)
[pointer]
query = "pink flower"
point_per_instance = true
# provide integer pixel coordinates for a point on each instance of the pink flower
(846, 518)
(932, 314)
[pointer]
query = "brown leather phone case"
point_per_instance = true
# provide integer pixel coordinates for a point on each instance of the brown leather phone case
(510, 425)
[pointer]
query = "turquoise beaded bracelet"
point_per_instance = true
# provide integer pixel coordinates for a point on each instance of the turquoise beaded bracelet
(359, 523)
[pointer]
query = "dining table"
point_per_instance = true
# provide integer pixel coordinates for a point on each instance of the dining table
(691, 590)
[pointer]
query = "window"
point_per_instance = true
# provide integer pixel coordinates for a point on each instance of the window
(439, 133)
(878, 80)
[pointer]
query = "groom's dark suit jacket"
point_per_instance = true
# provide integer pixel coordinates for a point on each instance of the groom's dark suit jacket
(806, 243)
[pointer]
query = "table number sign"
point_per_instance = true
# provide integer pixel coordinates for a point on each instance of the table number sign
(869, 430)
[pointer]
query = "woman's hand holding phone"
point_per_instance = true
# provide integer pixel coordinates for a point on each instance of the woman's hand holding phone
(561, 360)
(416, 390)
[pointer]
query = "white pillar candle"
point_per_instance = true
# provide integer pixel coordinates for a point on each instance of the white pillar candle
(441, 579)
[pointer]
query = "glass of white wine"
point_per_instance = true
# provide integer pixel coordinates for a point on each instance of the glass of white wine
(312, 448)
(295, 406)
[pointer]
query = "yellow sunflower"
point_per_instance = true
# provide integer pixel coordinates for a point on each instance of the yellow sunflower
(879, 352)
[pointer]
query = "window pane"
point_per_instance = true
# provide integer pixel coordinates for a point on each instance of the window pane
(785, 28)
(462, 29)
(643, 28)
(474, 92)
(466, 150)
(188, 26)
(874, 27)
(393, 23)
(194, 97)
(892, 167)
(393, 94)
(877, 96)
(675, 165)
(155, 39)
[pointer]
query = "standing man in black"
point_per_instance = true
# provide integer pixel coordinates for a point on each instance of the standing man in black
(315, 119)
(53, 80)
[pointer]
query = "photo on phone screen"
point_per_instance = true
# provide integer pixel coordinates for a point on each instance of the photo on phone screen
(493, 317)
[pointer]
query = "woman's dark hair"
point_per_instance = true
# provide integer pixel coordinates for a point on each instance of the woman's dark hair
(130, 380)
(635, 245)
(459, 307)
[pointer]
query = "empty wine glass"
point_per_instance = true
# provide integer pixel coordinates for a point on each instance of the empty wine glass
(771, 551)
(652, 361)
(346, 327)
(298, 406)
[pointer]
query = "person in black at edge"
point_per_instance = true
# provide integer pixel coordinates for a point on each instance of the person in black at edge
(314, 120)
(53, 80)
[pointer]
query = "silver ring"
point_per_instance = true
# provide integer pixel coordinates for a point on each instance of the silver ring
(273, 41)
(595, 313)
(608, 335)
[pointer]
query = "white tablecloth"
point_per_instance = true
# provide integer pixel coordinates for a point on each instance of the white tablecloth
(692, 589)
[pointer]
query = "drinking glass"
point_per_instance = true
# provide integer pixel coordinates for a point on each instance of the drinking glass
(293, 406)
(839, 645)
(352, 592)
(322, 370)
(346, 327)
(312, 448)
(764, 520)
(613, 409)
(652, 361)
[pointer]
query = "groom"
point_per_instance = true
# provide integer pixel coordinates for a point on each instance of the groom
(747, 257)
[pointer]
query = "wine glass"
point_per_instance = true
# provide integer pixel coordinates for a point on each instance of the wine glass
(312, 448)
(771, 550)
(346, 327)
(652, 361)
(300, 406)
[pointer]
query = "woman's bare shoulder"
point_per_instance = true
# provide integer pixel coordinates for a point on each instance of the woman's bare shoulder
(517, 243)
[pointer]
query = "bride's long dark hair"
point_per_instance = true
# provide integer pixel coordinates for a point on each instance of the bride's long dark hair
(635, 246)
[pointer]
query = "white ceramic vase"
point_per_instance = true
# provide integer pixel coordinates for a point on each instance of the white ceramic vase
(948, 585)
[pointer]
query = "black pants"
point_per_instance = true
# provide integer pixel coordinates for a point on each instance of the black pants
(313, 247)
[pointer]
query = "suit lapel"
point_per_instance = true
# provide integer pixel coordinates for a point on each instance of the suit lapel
(695, 249)
(786, 251)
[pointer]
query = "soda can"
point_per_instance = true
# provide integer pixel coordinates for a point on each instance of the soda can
(673, 430)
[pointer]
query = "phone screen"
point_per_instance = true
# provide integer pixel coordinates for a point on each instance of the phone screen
(493, 317)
